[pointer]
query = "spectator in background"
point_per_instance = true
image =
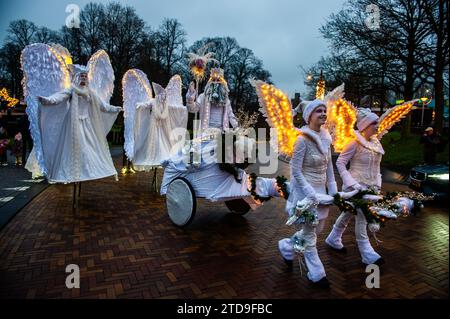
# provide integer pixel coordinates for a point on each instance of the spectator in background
(17, 148)
(27, 143)
(430, 140)
(3, 146)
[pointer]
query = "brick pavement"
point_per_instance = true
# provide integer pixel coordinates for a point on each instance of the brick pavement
(126, 247)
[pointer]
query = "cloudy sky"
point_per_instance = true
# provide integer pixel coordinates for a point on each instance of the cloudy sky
(283, 33)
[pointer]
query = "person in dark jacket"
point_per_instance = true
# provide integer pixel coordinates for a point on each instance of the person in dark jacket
(431, 140)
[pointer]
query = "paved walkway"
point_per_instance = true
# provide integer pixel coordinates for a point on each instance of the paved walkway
(126, 247)
(17, 188)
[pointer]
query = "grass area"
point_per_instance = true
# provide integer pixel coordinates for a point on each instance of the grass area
(404, 153)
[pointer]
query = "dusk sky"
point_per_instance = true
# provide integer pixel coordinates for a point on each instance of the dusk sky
(283, 33)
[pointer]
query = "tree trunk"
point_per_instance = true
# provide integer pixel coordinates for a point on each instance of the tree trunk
(409, 87)
(438, 74)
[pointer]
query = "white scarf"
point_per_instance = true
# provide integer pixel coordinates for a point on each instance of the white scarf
(372, 144)
(322, 138)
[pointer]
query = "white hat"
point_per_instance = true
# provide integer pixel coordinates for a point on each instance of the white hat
(428, 129)
(310, 107)
(77, 69)
(364, 118)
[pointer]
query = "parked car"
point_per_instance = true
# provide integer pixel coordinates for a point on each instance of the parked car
(430, 179)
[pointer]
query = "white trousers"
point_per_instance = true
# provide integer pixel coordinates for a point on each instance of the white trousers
(334, 239)
(308, 233)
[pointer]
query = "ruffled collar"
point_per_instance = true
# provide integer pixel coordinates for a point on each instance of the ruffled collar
(373, 144)
(322, 138)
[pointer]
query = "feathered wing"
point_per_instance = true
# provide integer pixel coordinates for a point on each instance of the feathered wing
(336, 94)
(276, 108)
(392, 116)
(101, 75)
(160, 109)
(45, 73)
(341, 118)
(136, 89)
(178, 113)
(101, 81)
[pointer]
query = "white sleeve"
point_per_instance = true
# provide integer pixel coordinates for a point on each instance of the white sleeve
(331, 181)
(344, 158)
(192, 104)
(297, 166)
(56, 98)
(146, 105)
(107, 108)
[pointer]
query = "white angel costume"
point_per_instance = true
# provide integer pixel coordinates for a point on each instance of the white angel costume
(69, 128)
(311, 169)
(364, 156)
(213, 105)
(154, 127)
(311, 174)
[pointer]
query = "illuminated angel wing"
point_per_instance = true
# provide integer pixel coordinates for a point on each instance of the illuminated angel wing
(173, 90)
(160, 109)
(392, 116)
(277, 109)
(45, 73)
(341, 119)
(136, 89)
(178, 113)
(101, 75)
(336, 94)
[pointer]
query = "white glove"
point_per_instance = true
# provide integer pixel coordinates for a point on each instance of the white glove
(358, 187)
(141, 105)
(42, 99)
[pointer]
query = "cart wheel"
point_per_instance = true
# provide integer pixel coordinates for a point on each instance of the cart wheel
(181, 202)
(238, 206)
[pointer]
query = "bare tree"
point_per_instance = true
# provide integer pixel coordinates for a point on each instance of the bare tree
(394, 48)
(21, 32)
(435, 64)
(45, 35)
(171, 42)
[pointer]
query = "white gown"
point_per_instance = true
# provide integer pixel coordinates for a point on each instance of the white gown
(155, 128)
(75, 148)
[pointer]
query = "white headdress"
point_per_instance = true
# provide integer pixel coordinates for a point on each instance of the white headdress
(365, 117)
(310, 107)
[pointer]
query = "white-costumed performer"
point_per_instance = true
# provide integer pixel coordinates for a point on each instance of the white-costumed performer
(364, 155)
(79, 152)
(312, 173)
(213, 105)
(69, 112)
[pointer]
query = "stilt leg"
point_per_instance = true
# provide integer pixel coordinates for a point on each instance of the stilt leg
(74, 200)
(154, 185)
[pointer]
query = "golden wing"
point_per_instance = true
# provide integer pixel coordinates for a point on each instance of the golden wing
(341, 119)
(276, 108)
(392, 116)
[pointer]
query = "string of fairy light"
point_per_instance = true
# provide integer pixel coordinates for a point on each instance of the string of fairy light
(392, 117)
(280, 114)
(320, 87)
(137, 76)
(12, 101)
(345, 117)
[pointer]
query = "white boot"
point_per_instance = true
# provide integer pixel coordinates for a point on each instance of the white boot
(368, 254)
(334, 239)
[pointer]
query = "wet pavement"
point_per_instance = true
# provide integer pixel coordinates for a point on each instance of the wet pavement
(126, 247)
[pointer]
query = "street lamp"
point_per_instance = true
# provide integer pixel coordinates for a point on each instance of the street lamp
(425, 101)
